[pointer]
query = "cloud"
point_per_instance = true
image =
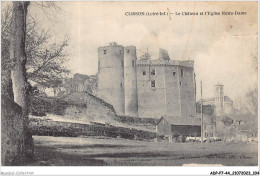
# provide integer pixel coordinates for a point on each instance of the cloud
(221, 46)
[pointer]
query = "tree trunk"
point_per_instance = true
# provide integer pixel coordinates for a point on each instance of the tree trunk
(18, 60)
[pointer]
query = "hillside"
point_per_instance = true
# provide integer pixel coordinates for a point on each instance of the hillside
(85, 108)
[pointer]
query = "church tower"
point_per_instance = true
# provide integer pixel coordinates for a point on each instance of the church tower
(219, 99)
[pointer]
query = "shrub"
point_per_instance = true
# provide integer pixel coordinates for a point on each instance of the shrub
(227, 121)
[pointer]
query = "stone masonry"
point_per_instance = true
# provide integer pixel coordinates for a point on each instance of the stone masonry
(145, 87)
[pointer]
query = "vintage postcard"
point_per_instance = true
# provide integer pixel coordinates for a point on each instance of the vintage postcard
(129, 84)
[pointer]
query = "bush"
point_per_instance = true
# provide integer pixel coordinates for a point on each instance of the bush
(227, 121)
(42, 105)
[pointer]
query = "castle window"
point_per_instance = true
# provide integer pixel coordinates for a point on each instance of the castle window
(121, 84)
(144, 73)
(180, 83)
(128, 51)
(133, 63)
(105, 51)
(152, 83)
(120, 51)
(186, 84)
(182, 73)
(122, 63)
(173, 73)
(153, 72)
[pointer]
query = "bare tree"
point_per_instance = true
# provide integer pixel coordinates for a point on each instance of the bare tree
(27, 54)
(45, 59)
(251, 104)
(146, 55)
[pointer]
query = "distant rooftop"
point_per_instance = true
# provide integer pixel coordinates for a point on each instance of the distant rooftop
(181, 120)
(226, 98)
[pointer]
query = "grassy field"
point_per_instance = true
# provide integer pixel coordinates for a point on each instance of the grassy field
(91, 151)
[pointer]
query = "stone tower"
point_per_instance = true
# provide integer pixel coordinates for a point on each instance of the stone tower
(144, 87)
(219, 100)
(111, 76)
(131, 102)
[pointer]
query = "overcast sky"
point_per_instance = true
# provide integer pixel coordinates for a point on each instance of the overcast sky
(223, 47)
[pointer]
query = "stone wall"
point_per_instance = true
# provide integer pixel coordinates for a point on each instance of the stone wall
(87, 107)
(12, 139)
(173, 93)
(130, 84)
(187, 91)
(151, 100)
(173, 101)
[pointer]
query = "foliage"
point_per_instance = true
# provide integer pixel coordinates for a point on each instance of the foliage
(6, 83)
(146, 56)
(227, 120)
(80, 83)
(41, 105)
(45, 58)
(251, 105)
(136, 121)
(41, 127)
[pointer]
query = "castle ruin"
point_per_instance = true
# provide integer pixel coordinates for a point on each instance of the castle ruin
(144, 87)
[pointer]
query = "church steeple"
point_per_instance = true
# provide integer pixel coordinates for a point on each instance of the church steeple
(219, 99)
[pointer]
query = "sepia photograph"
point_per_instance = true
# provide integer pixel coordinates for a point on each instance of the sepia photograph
(129, 84)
